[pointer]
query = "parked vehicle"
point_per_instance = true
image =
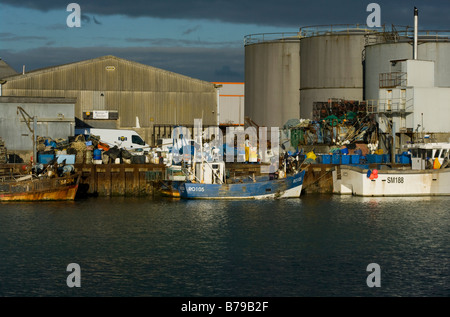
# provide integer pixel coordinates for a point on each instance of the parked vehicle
(126, 139)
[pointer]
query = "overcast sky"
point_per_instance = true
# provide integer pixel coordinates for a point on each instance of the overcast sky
(203, 39)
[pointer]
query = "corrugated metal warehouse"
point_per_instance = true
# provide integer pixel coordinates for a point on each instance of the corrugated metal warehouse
(126, 94)
(54, 118)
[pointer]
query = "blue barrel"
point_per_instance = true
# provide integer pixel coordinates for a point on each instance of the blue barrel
(97, 154)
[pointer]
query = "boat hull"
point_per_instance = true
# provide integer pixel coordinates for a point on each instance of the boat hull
(170, 189)
(37, 190)
(289, 187)
(354, 181)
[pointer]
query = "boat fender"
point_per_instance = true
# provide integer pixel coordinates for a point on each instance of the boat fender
(369, 172)
(374, 175)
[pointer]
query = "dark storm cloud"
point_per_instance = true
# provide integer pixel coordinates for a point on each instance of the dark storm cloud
(164, 42)
(193, 29)
(200, 63)
(96, 21)
(11, 37)
(226, 71)
(86, 19)
(289, 13)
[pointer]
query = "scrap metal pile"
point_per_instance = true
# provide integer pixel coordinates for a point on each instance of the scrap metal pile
(87, 150)
(336, 123)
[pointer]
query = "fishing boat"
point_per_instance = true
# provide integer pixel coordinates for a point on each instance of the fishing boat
(210, 183)
(38, 188)
(428, 175)
(174, 176)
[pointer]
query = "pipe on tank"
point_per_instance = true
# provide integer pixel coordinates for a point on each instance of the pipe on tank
(416, 26)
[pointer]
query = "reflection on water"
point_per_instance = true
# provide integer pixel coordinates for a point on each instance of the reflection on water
(313, 246)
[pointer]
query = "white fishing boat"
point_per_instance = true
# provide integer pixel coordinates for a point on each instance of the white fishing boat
(428, 175)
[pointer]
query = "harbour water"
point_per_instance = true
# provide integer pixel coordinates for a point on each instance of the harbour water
(316, 246)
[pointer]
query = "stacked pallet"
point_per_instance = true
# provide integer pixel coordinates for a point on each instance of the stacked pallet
(3, 156)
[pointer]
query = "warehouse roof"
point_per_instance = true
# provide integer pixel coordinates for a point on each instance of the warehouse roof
(6, 70)
(107, 73)
(97, 59)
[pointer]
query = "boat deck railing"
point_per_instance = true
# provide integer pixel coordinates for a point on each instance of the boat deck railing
(12, 185)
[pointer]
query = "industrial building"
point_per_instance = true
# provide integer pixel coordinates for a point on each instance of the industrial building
(231, 103)
(24, 119)
(287, 74)
(112, 92)
(409, 101)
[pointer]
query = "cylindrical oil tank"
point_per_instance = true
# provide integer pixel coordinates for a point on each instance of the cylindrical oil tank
(272, 79)
(379, 58)
(332, 68)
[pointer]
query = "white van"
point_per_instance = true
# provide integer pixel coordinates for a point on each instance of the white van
(127, 139)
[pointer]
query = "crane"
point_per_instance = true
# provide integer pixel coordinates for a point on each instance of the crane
(28, 121)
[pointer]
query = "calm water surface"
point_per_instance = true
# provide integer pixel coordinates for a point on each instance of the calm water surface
(313, 246)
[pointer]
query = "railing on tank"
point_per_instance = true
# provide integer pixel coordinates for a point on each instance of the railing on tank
(393, 79)
(406, 33)
(339, 107)
(317, 30)
(309, 31)
(382, 34)
(268, 37)
(394, 105)
(429, 35)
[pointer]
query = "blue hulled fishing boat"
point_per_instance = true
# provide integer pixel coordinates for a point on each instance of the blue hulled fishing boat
(212, 185)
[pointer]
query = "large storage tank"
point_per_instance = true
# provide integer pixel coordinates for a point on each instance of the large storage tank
(332, 65)
(272, 78)
(285, 76)
(380, 57)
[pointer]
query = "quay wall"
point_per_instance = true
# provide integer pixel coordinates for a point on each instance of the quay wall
(141, 180)
(119, 179)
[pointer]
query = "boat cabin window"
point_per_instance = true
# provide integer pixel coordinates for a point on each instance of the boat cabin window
(176, 173)
(443, 153)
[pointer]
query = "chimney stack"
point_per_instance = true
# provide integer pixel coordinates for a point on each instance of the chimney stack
(416, 26)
